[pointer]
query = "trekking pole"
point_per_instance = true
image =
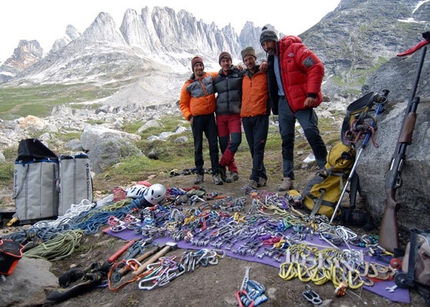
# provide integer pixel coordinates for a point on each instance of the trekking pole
(381, 100)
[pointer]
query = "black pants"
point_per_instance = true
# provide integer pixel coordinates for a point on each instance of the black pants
(256, 129)
(205, 124)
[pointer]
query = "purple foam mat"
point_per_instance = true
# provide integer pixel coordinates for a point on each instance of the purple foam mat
(399, 295)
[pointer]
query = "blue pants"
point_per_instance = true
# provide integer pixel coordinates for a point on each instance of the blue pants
(309, 122)
(205, 124)
(256, 129)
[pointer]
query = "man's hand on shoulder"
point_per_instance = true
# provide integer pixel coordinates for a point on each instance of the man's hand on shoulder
(264, 66)
(239, 67)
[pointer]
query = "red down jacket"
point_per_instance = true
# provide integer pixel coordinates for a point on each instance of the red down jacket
(301, 70)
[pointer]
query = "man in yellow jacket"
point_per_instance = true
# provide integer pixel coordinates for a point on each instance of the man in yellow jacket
(197, 104)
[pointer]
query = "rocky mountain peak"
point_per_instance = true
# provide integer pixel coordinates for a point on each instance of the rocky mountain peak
(353, 41)
(104, 29)
(71, 34)
(25, 55)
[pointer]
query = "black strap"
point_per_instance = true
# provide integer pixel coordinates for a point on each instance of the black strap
(317, 203)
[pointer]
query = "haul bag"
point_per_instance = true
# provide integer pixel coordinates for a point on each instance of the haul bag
(75, 183)
(35, 192)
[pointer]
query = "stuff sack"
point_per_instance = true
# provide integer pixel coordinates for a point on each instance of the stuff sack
(75, 182)
(31, 149)
(10, 254)
(322, 193)
(35, 192)
(35, 175)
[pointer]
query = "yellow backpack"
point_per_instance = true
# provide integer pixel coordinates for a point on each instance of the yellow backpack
(323, 192)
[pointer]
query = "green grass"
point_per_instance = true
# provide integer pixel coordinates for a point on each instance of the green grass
(38, 100)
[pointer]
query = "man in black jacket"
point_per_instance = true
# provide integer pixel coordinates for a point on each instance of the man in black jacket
(228, 86)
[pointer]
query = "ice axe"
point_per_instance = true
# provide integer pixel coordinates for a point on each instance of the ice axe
(167, 248)
(115, 256)
(140, 258)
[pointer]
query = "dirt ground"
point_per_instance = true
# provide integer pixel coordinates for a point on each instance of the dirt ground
(214, 285)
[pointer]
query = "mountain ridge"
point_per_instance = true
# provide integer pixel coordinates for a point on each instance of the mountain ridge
(353, 41)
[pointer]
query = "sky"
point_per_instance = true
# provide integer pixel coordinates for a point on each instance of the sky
(46, 20)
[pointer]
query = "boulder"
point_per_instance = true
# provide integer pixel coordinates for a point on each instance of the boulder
(109, 150)
(91, 134)
(28, 283)
(372, 167)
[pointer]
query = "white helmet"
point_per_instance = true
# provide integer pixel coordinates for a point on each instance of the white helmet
(155, 194)
(136, 191)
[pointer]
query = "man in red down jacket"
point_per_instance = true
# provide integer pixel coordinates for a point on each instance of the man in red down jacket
(294, 77)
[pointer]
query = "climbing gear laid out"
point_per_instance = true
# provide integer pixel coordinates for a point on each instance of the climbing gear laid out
(116, 225)
(311, 296)
(155, 194)
(341, 289)
(251, 292)
(136, 191)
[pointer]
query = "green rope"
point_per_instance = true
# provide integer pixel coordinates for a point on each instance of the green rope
(59, 247)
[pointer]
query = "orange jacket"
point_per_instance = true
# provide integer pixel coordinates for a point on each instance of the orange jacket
(255, 96)
(197, 96)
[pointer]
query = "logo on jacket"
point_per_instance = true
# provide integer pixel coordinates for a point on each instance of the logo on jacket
(308, 62)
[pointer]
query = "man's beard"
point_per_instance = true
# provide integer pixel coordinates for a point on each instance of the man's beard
(270, 50)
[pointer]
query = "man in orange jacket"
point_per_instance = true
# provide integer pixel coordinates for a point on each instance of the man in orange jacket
(197, 104)
(255, 113)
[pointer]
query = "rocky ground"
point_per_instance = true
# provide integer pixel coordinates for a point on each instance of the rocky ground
(214, 285)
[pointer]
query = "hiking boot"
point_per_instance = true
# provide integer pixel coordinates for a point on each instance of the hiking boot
(217, 179)
(223, 173)
(262, 182)
(286, 184)
(199, 179)
(252, 184)
(232, 177)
